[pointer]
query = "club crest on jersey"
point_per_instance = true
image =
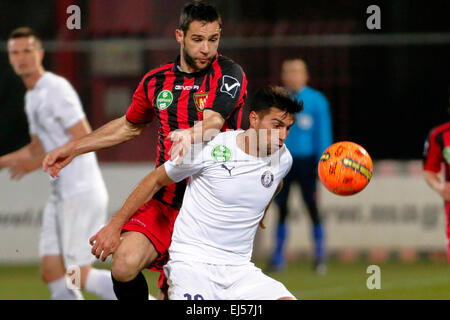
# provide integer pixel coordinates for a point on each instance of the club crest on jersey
(267, 179)
(221, 153)
(230, 85)
(164, 99)
(200, 100)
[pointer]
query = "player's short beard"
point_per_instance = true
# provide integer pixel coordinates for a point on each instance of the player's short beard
(190, 61)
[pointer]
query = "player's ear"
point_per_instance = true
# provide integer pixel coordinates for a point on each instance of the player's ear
(179, 35)
(253, 118)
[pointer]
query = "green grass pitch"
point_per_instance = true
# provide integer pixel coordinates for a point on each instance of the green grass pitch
(346, 281)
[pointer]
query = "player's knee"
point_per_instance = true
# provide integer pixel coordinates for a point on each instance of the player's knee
(125, 266)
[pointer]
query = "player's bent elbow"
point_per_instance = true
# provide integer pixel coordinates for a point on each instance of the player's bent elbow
(218, 121)
(157, 179)
(163, 179)
(131, 130)
(212, 120)
(137, 130)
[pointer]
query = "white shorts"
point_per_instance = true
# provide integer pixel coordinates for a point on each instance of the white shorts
(190, 280)
(68, 223)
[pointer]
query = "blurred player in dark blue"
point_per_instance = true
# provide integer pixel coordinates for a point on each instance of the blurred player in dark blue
(307, 140)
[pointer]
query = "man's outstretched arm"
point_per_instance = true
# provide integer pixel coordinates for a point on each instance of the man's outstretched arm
(24, 160)
(113, 133)
(108, 238)
(204, 130)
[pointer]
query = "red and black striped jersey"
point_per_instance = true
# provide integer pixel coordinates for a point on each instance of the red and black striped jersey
(437, 150)
(177, 100)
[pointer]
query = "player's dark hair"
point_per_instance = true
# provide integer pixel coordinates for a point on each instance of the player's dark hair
(198, 11)
(24, 32)
(274, 96)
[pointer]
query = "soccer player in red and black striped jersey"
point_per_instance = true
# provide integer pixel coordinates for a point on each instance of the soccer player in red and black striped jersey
(436, 156)
(200, 88)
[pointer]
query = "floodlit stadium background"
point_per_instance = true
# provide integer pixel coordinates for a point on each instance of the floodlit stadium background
(387, 88)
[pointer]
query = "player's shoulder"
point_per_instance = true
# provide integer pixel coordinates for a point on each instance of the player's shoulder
(51, 80)
(227, 63)
(53, 87)
(224, 60)
(440, 128)
(286, 160)
(285, 155)
(158, 70)
(210, 152)
(223, 142)
(227, 137)
(281, 160)
(437, 133)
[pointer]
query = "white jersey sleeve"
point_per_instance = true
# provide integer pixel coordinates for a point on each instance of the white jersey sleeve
(191, 164)
(52, 107)
(66, 105)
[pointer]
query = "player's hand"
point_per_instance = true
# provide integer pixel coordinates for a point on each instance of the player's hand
(106, 241)
(2, 164)
(58, 159)
(18, 169)
(181, 144)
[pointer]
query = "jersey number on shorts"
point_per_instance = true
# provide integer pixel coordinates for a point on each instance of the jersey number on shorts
(196, 297)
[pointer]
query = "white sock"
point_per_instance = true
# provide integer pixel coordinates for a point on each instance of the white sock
(99, 282)
(60, 291)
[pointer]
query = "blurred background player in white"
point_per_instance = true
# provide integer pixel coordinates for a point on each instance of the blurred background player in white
(309, 137)
(233, 179)
(436, 156)
(77, 206)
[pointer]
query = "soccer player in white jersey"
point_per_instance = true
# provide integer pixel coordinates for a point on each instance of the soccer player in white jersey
(233, 179)
(77, 206)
